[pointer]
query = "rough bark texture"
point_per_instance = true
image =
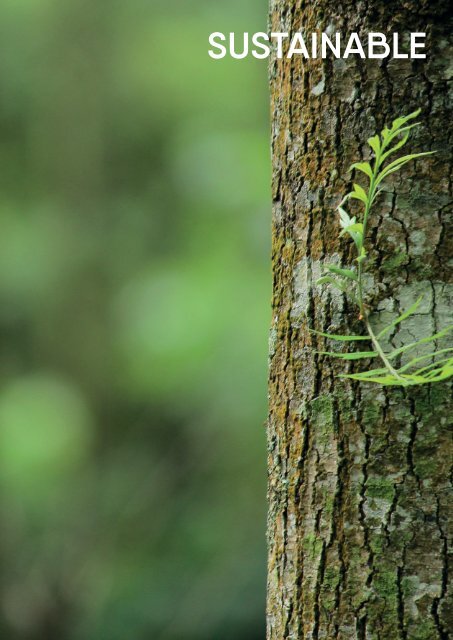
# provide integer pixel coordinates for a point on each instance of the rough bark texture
(359, 485)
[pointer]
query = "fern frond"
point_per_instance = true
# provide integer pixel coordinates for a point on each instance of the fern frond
(401, 318)
(383, 145)
(340, 338)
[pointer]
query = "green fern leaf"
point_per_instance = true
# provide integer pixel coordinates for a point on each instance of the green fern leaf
(355, 355)
(340, 338)
(401, 318)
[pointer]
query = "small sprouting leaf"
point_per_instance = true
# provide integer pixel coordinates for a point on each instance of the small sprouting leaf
(344, 215)
(350, 226)
(345, 273)
(357, 227)
(394, 135)
(404, 159)
(398, 123)
(345, 219)
(355, 231)
(364, 167)
(375, 144)
(400, 162)
(398, 145)
(340, 338)
(359, 193)
(385, 133)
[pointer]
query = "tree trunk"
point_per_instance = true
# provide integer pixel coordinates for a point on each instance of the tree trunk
(358, 474)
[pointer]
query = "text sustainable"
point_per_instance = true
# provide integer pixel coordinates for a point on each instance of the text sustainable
(317, 45)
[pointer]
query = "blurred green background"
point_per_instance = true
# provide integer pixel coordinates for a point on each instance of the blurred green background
(134, 308)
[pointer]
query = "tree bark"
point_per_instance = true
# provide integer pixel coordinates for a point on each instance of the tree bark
(359, 486)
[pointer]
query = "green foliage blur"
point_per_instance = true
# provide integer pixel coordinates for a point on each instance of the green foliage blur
(134, 290)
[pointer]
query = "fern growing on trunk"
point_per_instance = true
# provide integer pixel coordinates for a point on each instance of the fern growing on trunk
(350, 280)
